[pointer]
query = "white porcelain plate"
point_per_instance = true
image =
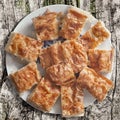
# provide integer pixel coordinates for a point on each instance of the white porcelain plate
(25, 27)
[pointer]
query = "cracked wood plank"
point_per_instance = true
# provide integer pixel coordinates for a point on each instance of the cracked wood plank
(115, 22)
(3, 33)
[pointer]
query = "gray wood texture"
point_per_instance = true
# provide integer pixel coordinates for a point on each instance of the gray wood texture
(14, 108)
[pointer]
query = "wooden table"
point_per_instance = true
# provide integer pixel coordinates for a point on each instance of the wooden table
(11, 106)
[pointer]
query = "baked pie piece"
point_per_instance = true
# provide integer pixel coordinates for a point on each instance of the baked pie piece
(72, 23)
(100, 60)
(47, 26)
(95, 83)
(94, 36)
(51, 55)
(44, 95)
(60, 73)
(71, 100)
(75, 54)
(23, 47)
(56, 52)
(25, 78)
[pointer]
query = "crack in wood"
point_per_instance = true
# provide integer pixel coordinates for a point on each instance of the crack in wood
(27, 7)
(112, 11)
(93, 8)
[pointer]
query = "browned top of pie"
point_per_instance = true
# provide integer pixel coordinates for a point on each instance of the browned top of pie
(75, 54)
(46, 26)
(100, 60)
(100, 31)
(72, 24)
(26, 77)
(94, 36)
(95, 83)
(51, 55)
(71, 100)
(24, 47)
(60, 73)
(44, 95)
(69, 51)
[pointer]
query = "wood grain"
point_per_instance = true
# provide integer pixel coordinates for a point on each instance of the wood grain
(11, 106)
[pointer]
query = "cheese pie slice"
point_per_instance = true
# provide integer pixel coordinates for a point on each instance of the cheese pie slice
(72, 23)
(44, 95)
(71, 100)
(23, 47)
(25, 78)
(46, 26)
(60, 73)
(94, 36)
(100, 60)
(51, 55)
(75, 54)
(95, 83)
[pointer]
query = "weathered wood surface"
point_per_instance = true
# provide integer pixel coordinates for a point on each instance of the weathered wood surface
(11, 106)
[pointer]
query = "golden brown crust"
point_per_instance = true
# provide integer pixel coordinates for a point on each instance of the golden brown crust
(24, 47)
(46, 26)
(95, 36)
(44, 95)
(95, 83)
(100, 60)
(60, 73)
(26, 77)
(75, 54)
(69, 51)
(72, 24)
(51, 55)
(71, 100)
